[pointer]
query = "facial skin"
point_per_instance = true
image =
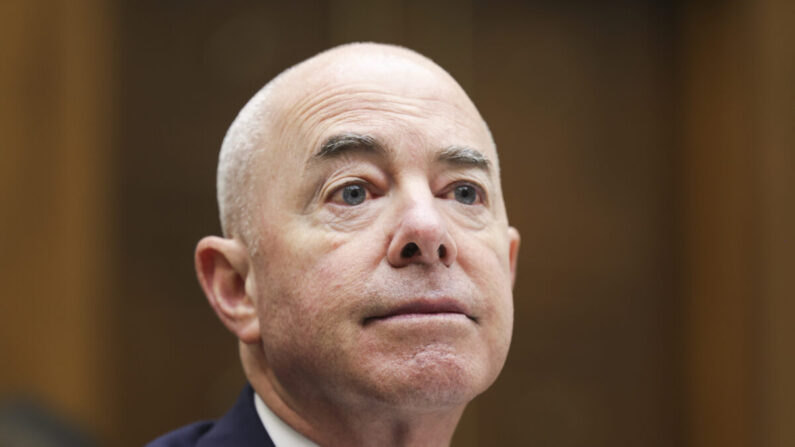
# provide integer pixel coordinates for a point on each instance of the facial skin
(376, 301)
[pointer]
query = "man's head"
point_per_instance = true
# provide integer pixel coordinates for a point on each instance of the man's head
(367, 262)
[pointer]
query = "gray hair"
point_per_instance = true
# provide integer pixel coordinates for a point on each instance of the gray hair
(237, 166)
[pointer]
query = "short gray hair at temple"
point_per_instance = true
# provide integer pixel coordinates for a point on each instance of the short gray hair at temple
(240, 153)
(237, 165)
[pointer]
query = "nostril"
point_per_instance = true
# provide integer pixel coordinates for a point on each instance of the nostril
(442, 252)
(410, 250)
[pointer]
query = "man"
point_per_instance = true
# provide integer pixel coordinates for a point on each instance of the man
(367, 263)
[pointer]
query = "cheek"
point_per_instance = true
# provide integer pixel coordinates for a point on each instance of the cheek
(309, 284)
(484, 259)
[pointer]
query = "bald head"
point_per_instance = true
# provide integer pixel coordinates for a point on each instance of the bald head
(268, 126)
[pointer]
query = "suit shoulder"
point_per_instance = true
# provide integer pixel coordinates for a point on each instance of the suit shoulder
(187, 436)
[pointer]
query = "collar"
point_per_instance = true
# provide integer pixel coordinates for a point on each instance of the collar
(282, 434)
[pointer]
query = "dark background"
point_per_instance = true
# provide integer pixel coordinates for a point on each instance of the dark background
(647, 150)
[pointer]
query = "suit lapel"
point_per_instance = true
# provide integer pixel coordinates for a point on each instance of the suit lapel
(240, 426)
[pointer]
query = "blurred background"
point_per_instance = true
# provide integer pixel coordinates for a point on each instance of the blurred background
(648, 156)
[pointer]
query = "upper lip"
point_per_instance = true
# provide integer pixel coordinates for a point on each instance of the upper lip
(422, 306)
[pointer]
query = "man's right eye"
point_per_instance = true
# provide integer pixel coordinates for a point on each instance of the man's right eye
(350, 195)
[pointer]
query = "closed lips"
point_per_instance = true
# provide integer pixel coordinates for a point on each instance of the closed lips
(420, 307)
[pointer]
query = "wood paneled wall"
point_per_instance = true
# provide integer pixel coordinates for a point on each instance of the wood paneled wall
(56, 289)
(738, 68)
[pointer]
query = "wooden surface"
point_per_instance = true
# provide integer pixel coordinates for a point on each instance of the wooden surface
(56, 129)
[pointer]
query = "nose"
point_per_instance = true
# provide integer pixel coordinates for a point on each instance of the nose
(421, 237)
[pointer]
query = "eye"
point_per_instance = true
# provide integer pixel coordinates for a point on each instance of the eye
(350, 195)
(466, 194)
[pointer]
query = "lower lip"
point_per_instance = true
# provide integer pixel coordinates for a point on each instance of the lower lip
(440, 317)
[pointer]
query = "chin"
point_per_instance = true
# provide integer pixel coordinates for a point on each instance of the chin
(432, 379)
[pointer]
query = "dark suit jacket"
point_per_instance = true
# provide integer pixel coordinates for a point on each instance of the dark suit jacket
(240, 427)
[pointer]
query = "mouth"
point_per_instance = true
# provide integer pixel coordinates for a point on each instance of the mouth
(423, 308)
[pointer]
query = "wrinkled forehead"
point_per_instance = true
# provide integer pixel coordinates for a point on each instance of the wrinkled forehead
(360, 92)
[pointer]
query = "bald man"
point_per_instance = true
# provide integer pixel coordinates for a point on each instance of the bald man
(367, 263)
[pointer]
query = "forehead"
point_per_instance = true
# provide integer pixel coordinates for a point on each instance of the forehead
(408, 105)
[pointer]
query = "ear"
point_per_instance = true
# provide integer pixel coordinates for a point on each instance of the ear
(513, 251)
(223, 268)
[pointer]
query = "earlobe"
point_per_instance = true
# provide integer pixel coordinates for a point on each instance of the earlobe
(513, 251)
(222, 266)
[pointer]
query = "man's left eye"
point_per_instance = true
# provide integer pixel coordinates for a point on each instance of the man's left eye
(466, 194)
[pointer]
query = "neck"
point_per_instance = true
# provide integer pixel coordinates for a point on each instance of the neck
(332, 424)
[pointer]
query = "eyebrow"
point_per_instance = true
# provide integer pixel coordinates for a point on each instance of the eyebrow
(339, 145)
(465, 157)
